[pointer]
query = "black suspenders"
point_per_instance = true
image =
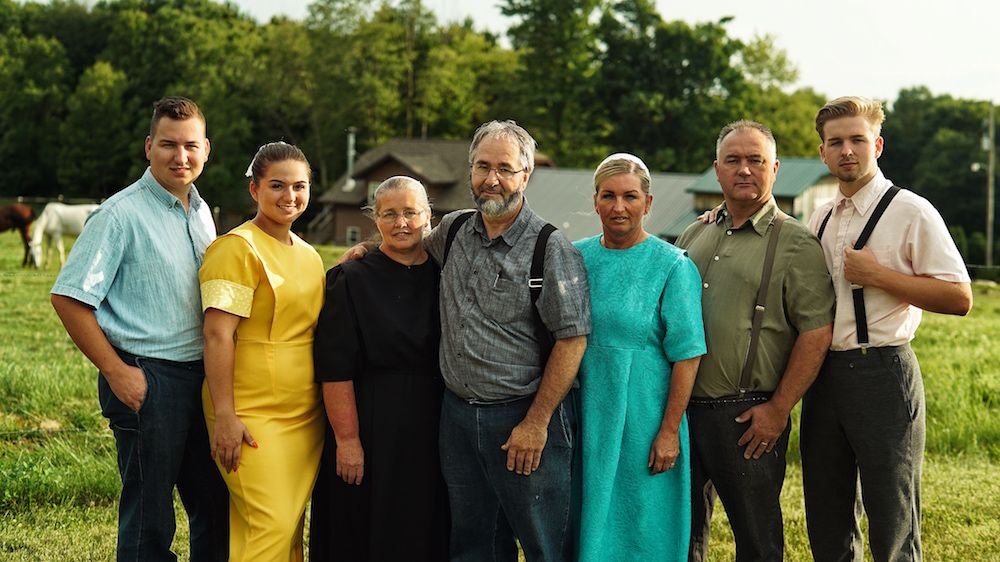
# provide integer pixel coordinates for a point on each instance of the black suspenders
(857, 291)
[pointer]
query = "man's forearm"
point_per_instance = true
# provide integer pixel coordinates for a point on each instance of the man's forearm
(928, 293)
(803, 365)
(81, 325)
(560, 371)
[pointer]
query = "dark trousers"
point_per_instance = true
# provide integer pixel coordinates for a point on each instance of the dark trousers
(864, 416)
(162, 445)
(490, 505)
(750, 490)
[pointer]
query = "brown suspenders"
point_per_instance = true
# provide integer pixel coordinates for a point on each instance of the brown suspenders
(759, 306)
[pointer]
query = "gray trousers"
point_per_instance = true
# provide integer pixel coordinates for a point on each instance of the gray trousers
(864, 416)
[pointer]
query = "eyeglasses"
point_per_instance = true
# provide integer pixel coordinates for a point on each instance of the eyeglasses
(737, 162)
(481, 170)
(390, 217)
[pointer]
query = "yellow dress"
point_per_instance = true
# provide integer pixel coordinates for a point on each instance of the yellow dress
(277, 290)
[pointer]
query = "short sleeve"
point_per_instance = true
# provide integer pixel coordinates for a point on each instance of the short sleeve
(932, 250)
(564, 303)
(337, 349)
(809, 296)
(93, 263)
(680, 312)
(229, 276)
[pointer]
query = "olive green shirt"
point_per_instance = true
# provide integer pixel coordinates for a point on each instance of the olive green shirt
(799, 297)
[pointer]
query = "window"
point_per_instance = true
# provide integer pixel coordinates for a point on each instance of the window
(353, 235)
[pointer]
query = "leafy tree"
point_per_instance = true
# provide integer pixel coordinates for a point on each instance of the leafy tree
(557, 41)
(33, 76)
(94, 140)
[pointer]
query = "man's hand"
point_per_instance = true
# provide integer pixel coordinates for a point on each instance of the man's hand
(710, 216)
(350, 460)
(356, 252)
(767, 422)
(664, 451)
(861, 267)
(227, 443)
(524, 446)
(129, 386)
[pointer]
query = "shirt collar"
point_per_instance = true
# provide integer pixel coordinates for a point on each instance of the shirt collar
(168, 199)
(759, 221)
(514, 231)
(868, 196)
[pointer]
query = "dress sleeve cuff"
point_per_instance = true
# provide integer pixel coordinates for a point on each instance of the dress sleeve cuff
(227, 297)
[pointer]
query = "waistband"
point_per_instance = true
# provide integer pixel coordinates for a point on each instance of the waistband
(490, 403)
(134, 360)
(861, 353)
(747, 397)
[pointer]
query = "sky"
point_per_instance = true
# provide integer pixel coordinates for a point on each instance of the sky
(853, 47)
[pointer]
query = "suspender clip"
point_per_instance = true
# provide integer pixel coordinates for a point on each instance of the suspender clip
(864, 349)
(759, 308)
(856, 286)
(535, 283)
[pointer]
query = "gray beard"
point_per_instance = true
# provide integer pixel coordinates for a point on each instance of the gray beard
(495, 208)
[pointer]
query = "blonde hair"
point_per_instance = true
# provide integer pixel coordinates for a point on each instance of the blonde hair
(622, 163)
(851, 106)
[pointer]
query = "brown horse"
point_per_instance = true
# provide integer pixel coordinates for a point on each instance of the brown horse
(20, 217)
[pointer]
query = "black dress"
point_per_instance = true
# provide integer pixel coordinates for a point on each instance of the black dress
(380, 328)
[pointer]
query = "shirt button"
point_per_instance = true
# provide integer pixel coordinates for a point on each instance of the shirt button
(729, 233)
(705, 285)
(716, 258)
(458, 354)
(475, 271)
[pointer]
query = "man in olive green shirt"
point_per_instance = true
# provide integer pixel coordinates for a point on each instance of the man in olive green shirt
(739, 428)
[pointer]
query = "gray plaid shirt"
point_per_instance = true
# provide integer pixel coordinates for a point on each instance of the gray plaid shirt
(489, 350)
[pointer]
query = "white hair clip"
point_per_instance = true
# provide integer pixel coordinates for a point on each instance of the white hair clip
(625, 156)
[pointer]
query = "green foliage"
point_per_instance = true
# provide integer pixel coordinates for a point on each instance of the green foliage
(60, 483)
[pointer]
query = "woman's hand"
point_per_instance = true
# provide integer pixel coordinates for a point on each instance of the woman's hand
(227, 444)
(350, 460)
(664, 451)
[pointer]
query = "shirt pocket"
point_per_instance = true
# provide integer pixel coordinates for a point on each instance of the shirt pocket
(503, 301)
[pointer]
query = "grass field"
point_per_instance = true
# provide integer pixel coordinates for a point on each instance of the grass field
(58, 482)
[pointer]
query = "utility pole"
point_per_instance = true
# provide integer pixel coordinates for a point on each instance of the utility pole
(990, 171)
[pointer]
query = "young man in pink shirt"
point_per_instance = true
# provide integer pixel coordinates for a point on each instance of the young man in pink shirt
(865, 413)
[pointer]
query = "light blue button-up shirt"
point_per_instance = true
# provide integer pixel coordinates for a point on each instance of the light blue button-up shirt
(136, 262)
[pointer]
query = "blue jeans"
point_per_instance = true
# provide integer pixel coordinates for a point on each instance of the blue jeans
(490, 505)
(162, 445)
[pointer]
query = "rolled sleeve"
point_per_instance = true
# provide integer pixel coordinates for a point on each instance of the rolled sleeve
(564, 303)
(93, 264)
(229, 275)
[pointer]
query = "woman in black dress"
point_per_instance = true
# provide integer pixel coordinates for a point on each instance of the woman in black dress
(380, 494)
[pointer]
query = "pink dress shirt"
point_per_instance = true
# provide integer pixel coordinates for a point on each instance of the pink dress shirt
(911, 238)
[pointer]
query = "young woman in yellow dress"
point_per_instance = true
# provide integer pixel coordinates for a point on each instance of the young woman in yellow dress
(262, 290)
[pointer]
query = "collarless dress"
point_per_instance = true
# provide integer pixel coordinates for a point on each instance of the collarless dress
(277, 290)
(380, 328)
(646, 315)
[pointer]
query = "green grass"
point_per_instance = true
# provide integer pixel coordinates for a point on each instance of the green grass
(59, 484)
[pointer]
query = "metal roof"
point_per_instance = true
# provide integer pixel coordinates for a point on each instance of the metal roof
(565, 198)
(795, 175)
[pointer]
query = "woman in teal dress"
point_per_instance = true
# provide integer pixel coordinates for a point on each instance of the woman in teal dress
(636, 378)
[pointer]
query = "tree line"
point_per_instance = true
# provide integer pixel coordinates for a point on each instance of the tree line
(587, 77)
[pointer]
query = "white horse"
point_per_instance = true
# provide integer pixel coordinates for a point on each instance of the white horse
(56, 220)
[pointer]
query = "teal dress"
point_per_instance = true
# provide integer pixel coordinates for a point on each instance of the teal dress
(646, 315)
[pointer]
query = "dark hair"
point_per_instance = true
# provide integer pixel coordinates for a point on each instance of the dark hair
(177, 108)
(275, 152)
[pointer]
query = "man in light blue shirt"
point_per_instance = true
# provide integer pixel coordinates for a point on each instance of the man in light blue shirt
(130, 300)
